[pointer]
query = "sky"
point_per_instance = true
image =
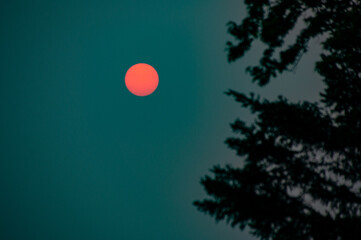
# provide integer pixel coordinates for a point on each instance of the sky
(83, 158)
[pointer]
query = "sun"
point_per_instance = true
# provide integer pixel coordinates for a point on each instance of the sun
(141, 79)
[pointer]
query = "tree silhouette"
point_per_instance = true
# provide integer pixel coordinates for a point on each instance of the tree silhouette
(301, 177)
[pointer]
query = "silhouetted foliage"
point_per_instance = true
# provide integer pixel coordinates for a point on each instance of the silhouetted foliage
(301, 177)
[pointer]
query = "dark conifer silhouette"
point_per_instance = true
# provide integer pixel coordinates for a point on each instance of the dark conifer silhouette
(301, 177)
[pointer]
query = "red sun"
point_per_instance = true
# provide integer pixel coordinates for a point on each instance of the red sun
(141, 79)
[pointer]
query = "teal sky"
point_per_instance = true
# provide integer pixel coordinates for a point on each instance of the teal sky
(80, 156)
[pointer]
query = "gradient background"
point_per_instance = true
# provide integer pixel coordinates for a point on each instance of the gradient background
(80, 156)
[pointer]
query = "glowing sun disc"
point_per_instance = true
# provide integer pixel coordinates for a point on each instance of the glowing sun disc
(141, 79)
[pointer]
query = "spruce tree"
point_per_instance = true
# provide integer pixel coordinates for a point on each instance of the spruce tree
(301, 172)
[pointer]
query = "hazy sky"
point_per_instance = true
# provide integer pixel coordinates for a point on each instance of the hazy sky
(80, 156)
